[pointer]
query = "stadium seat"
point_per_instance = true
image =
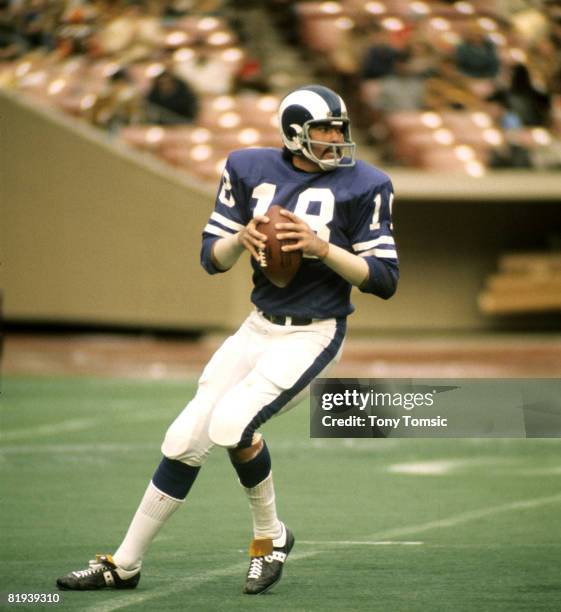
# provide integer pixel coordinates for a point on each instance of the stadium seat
(525, 282)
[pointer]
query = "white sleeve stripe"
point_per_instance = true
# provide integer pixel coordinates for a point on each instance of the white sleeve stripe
(225, 221)
(217, 231)
(383, 253)
(363, 246)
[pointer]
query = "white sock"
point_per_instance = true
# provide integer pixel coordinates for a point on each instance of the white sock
(154, 510)
(263, 509)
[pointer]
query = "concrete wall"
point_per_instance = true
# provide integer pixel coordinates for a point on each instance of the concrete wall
(93, 233)
(90, 234)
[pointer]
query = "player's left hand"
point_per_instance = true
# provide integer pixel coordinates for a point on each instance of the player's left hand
(306, 239)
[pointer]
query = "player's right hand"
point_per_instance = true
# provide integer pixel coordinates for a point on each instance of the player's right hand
(251, 239)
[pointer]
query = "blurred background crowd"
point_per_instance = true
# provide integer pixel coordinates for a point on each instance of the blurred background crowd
(451, 86)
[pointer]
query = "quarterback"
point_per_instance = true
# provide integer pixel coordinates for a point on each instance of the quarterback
(337, 211)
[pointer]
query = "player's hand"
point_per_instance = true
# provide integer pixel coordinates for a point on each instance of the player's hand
(251, 239)
(306, 238)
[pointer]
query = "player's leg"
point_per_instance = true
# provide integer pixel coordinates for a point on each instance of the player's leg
(291, 358)
(185, 448)
(253, 466)
(187, 442)
(290, 361)
(272, 541)
(165, 494)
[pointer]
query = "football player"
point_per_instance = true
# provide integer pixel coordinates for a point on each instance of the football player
(338, 212)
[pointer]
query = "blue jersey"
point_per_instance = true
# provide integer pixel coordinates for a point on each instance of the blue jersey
(349, 207)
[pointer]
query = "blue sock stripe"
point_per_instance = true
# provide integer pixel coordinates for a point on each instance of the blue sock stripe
(174, 478)
(256, 470)
(322, 360)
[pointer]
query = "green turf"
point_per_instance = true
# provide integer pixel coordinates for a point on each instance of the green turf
(78, 453)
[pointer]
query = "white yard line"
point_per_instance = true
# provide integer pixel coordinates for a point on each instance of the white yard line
(361, 543)
(442, 467)
(385, 537)
(78, 448)
(465, 517)
(49, 429)
(378, 539)
(187, 584)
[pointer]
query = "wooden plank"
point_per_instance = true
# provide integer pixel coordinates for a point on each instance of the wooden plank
(501, 303)
(534, 263)
(524, 283)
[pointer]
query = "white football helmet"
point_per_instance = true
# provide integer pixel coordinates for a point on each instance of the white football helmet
(310, 106)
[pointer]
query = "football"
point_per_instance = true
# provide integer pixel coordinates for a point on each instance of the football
(279, 267)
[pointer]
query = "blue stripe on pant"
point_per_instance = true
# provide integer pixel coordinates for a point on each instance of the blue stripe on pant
(322, 360)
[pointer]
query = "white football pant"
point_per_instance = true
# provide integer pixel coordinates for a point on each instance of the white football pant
(261, 370)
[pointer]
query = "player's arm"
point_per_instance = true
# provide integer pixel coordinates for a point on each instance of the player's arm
(372, 240)
(352, 268)
(373, 266)
(226, 251)
(230, 231)
(221, 246)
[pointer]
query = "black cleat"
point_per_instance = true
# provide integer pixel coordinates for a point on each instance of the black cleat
(267, 562)
(102, 573)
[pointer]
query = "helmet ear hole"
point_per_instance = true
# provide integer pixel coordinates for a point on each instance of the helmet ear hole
(295, 134)
(291, 122)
